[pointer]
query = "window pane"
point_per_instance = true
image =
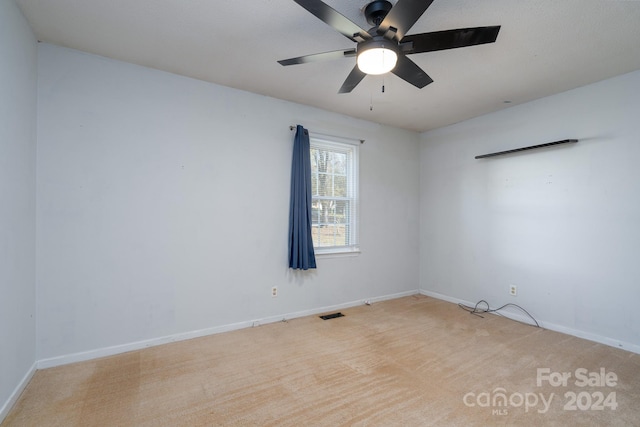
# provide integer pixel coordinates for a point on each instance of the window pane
(340, 186)
(329, 235)
(331, 219)
(338, 163)
(324, 185)
(315, 212)
(331, 215)
(342, 211)
(314, 184)
(320, 158)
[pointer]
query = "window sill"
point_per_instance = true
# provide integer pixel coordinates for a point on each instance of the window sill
(337, 252)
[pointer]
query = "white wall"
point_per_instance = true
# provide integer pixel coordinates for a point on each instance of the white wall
(18, 64)
(561, 223)
(163, 207)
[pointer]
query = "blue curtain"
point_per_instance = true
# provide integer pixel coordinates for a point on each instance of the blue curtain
(301, 255)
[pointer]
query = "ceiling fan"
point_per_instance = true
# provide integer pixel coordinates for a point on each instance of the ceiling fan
(384, 47)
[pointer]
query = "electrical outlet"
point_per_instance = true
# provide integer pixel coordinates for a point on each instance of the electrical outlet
(513, 290)
(274, 291)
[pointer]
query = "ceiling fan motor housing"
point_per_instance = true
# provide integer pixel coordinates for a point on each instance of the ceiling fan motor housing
(376, 11)
(377, 42)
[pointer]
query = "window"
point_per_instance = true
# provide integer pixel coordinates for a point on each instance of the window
(334, 189)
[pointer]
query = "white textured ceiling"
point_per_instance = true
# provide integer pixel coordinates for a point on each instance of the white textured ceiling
(544, 47)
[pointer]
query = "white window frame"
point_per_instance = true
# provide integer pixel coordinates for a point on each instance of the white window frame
(351, 148)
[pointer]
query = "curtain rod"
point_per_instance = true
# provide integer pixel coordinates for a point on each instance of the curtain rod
(331, 136)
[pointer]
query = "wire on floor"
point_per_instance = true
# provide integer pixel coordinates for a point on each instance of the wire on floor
(476, 310)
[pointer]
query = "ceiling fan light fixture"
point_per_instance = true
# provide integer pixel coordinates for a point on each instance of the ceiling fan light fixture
(377, 57)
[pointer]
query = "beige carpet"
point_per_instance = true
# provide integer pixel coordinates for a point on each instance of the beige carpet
(414, 361)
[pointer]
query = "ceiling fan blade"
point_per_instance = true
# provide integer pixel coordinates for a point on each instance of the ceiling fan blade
(326, 56)
(409, 71)
(401, 18)
(335, 19)
(352, 80)
(449, 39)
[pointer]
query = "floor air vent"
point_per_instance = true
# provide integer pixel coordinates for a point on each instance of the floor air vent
(331, 316)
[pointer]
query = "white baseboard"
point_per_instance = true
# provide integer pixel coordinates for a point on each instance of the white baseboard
(6, 407)
(110, 351)
(634, 348)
